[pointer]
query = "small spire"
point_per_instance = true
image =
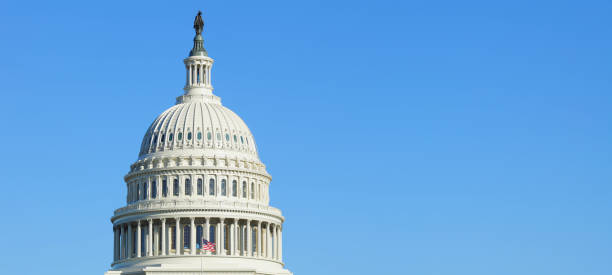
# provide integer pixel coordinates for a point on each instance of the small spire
(198, 41)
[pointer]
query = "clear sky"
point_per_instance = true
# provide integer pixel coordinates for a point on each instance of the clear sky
(412, 137)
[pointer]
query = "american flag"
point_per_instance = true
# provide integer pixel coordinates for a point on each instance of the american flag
(206, 245)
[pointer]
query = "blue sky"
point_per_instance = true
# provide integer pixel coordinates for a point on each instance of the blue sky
(412, 137)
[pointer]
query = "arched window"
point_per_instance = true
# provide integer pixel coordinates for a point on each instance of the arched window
(244, 189)
(252, 190)
(200, 187)
(175, 187)
(234, 188)
(258, 191)
(223, 187)
(137, 191)
(145, 191)
(188, 187)
(153, 189)
(170, 137)
(163, 138)
(164, 188)
(211, 187)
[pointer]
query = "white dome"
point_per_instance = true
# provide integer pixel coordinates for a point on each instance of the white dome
(199, 127)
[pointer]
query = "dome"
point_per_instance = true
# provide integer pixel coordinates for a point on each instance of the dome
(198, 191)
(199, 127)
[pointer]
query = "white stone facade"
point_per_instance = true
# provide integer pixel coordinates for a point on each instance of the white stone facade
(198, 176)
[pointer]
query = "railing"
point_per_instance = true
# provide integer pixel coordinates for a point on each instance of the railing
(173, 204)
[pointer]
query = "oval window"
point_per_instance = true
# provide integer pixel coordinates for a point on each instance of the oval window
(235, 139)
(163, 137)
(189, 136)
(170, 137)
(209, 136)
(241, 140)
(227, 137)
(199, 135)
(218, 136)
(180, 136)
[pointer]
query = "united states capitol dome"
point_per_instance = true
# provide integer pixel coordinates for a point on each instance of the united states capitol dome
(200, 126)
(198, 196)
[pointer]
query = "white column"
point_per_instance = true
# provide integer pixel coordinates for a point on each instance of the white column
(249, 238)
(273, 242)
(114, 244)
(129, 241)
(236, 238)
(155, 240)
(259, 250)
(277, 243)
(150, 238)
(207, 229)
(221, 241)
(189, 74)
(138, 240)
(122, 243)
(280, 243)
(177, 237)
(163, 236)
(209, 74)
(192, 236)
(268, 240)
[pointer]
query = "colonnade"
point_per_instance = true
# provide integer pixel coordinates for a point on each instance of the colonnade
(180, 236)
(198, 74)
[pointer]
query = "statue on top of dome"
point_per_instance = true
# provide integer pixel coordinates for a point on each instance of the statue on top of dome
(198, 23)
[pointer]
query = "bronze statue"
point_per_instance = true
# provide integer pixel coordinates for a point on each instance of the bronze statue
(198, 23)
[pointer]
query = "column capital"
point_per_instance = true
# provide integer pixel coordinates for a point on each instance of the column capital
(163, 220)
(192, 218)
